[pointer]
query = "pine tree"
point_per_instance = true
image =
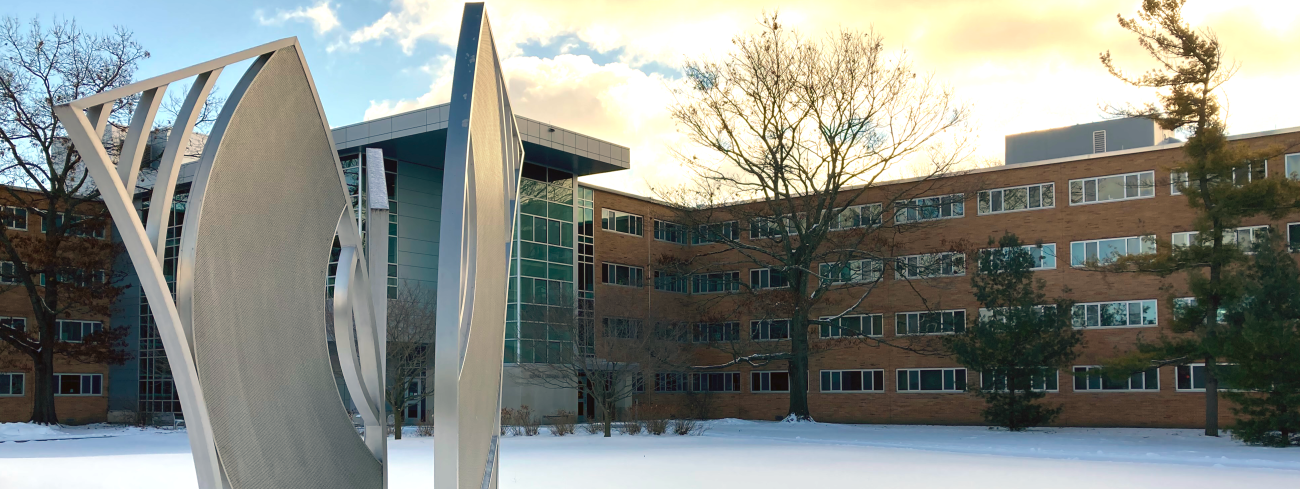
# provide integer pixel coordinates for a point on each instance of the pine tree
(1265, 352)
(1223, 182)
(1020, 340)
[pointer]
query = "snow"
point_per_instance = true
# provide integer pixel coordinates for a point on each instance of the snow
(730, 453)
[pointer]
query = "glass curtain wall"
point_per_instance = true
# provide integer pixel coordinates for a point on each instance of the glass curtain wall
(542, 298)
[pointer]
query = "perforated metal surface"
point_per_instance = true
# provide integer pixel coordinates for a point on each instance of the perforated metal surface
(267, 220)
(484, 153)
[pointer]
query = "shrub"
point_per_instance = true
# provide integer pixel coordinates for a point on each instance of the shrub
(562, 423)
(686, 426)
(593, 428)
(424, 428)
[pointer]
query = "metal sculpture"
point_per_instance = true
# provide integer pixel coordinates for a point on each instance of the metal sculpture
(479, 206)
(245, 335)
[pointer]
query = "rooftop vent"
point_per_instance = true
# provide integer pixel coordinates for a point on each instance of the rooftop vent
(1098, 141)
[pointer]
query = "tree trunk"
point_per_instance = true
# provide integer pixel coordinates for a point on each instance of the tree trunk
(798, 369)
(397, 424)
(1211, 398)
(604, 415)
(43, 393)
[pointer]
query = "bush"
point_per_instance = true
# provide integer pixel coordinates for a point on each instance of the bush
(424, 428)
(562, 423)
(593, 428)
(656, 421)
(632, 427)
(686, 426)
(520, 422)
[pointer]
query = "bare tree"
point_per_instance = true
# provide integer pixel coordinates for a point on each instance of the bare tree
(410, 350)
(796, 132)
(609, 361)
(68, 270)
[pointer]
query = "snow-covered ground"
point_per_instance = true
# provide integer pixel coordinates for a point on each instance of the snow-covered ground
(731, 453)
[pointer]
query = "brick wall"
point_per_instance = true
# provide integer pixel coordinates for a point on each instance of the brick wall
(14, 302)
(1161, 215)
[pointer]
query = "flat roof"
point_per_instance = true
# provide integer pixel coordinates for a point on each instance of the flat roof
(1002, 167)
(544, 143)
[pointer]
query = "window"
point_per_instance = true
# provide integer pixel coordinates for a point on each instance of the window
(1245, 237)
(76, 331)
(865, 215)
(1293, 166)
(769, 381)
(1105, 251)
(78, 229)
(670, 382)
(15, 218)
(716, 382)
(930, 266)
(931, 380)
(19, 324)
(767, 278)
(1177, 181)
(937, 322)
(1042, 379)
(929, 208)
(852, 272)
(78, 384)
(1011, 199)
(1112, 187)
(771, 227)
(853, 380)
(7, 273)
(670, 232)
(713, 233)
(852, 326)
(1182, 303)
(616, 327)
(620, 222)
(769, 329)
(615, 274)
(1098, 141)
(705, 283)
(1293, 236)
(1043, 256)
(1246, 173)
(1115, 314)
(670, 283)
(715, 332)
(1191, 377)
(1141, 381)
(12, 383)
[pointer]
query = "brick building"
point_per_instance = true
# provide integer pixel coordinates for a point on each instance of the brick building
(1088, 205)
(81, 389)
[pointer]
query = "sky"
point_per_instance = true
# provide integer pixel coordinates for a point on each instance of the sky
(605, 67)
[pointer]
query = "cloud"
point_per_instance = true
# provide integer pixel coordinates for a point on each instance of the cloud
(321, 17)
(614, 102)
(1022, 64)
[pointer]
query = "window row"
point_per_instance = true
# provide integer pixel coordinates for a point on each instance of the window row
(619, 221)
(615, 274)
(939, 380)
(1010, 199)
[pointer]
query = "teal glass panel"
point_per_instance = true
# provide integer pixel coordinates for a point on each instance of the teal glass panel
(526, 288)
(526, 228)
(560, 272)
(562, 212)
(536, 207)
(512, 328)
(532, 251)
(553, 231)
(533, 269)
(566, 235)
(510, 347)
(525, 352)
(540, 292)
(557, 254)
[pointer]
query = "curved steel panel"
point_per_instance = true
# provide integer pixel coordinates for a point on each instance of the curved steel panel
(268, 199)
(483, 158)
